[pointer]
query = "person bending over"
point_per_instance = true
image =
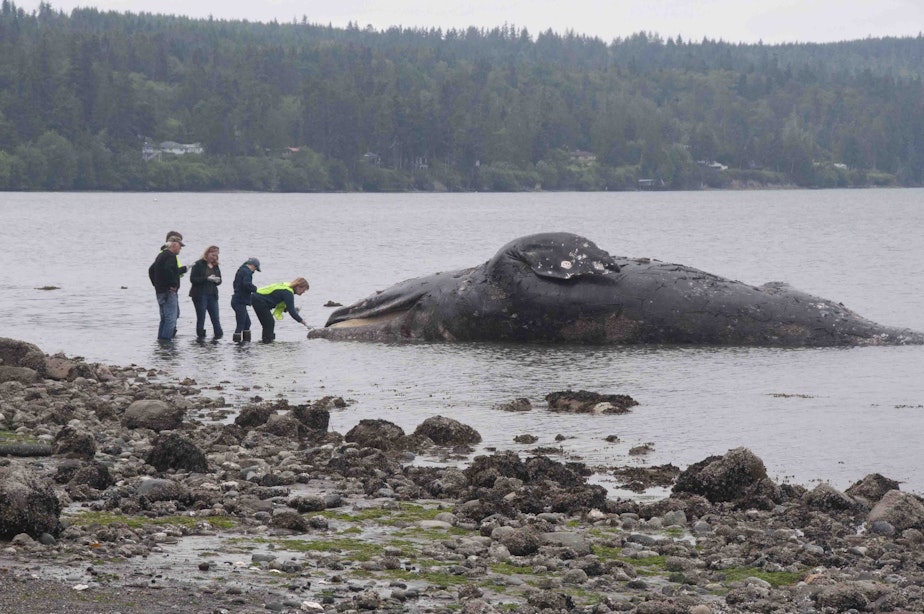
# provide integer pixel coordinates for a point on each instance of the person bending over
(271, 302)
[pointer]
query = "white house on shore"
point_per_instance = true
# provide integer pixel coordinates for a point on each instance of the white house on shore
(150, 151)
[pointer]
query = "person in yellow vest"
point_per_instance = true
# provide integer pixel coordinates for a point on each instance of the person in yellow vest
(271, 302)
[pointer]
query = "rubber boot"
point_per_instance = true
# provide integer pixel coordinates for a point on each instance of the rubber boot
(219, 334)
(200, 333)
(246, 335)
(236, 337)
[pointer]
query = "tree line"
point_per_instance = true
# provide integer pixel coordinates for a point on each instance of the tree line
(305, 107)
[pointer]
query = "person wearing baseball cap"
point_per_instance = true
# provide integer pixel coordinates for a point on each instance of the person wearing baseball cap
(173, 238)
(165, 277)
(243, 297)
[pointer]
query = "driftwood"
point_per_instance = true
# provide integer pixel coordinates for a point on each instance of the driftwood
(25, 449)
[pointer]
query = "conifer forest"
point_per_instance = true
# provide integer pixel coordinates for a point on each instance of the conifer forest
(95, 100)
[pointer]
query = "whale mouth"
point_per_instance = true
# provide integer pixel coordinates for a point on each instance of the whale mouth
(374, 320)
(375, 310)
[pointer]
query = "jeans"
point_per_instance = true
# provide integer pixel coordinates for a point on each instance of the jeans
(169, 312)
(207, 303)
(241, 316)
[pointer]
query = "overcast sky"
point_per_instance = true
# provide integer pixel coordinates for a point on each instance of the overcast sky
(750, 21)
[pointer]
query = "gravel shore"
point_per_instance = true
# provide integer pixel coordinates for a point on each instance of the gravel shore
(122, 491)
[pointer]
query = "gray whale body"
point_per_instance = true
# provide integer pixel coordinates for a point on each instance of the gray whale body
(562, 288)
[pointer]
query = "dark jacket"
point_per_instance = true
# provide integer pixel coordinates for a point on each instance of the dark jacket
(165, 274)
(269, 301)
(198, 277)
(243, 286)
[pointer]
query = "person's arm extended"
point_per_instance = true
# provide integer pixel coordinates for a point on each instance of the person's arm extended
(290, 307)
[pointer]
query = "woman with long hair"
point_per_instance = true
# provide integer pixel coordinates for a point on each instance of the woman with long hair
(205, 277)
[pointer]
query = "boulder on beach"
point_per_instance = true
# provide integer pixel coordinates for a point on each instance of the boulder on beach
(24, 362)
(253, 415)
(584, 402)
(27, 504)
(156, 489)
(23, 375)
(315, 417)
(516, 405)
(284, 425)
(447, 432)
(15, 353)
(94, 475)
(901, 510)
(74, 443)
(380, 434)
(872, 488)
(504, 484)
(826, 497)
(739, 477)
(176, 452)
(152, 414)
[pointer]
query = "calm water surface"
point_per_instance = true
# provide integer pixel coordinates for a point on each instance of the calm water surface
(831, 414)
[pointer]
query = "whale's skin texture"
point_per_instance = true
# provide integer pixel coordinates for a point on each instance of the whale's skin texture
(562, 288)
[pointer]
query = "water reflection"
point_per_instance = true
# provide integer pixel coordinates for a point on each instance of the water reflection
(165, 354)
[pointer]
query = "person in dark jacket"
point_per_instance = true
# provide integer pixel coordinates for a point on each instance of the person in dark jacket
(243, 291)
(165, 276)
(205, 277)
(271, 302)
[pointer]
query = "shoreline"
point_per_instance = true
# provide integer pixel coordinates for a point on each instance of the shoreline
(734, 188)
(141, 494)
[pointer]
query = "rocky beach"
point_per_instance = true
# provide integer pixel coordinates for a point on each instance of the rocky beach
(123, 490)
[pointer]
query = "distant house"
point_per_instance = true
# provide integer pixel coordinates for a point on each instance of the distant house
(156, 152)
(651, 184)
(584, 157)
(716, 166)
(372, 158)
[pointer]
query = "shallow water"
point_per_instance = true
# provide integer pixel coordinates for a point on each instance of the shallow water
(820, 414)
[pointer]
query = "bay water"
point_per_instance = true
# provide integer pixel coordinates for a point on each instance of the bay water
(812, 415)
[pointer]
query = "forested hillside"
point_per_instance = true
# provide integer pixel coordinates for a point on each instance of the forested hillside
(88, 100)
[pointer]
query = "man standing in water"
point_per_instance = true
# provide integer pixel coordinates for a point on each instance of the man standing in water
(165, 275)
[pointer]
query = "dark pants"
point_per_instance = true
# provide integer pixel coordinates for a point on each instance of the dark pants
(267, 321)
(207, 303)
(241, 316)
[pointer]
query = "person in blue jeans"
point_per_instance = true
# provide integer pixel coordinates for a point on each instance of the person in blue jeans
(204, 278)
(242, 298)
(165, 276)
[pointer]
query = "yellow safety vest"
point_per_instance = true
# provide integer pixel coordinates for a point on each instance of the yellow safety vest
(280, 308)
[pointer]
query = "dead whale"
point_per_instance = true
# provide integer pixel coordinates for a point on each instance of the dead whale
(562, 288)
